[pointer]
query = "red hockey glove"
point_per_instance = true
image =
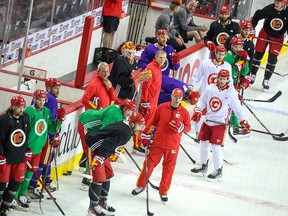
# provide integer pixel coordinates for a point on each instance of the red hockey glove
(55, 141)
(98, 160)
(239, 66)
(2, 164)
(176, 125)
(146, 139)
(144, 108)
(194, 97)
(28, 155)
(210, 45)
(244, 82)
(61, 114)
(243, 55)
(175, 58)
(245, 124)
(197, 114)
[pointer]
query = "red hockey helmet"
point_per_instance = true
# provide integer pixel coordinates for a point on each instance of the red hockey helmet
(161, 32)
(40, 94)
(130, 105)
(137, 119)
(225, 9)
(246, 24)
(284, 1)
(51, 82)
(220, 48)
(224, 73)
(236, 41)
(18, 101)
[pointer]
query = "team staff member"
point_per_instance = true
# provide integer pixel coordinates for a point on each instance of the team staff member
(171, 120)
(103, 143)
(217, 99)
(14, 128)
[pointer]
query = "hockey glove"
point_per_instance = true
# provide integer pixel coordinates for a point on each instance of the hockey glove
(95, 103)
(176, 125)
(197, 114)
(98, 160)
(28, 155)
(144, 108)
(146, 139)
(245, 124)
(175, 58)
(2, 164)
(245, 82)
(119, 151)
(55, 141)
(239, 65)
(210, 45)
(243, 55)
(61, 114)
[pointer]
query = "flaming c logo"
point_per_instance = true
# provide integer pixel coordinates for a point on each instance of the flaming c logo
(221, 37)
(276, 24)
(40, 127)
(215, 104)
(18, 138)
(212, 79)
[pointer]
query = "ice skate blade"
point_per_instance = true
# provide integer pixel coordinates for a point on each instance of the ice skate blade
(214, 180)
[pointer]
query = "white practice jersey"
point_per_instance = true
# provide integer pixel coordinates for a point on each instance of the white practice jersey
(208, 71)
(218, 104)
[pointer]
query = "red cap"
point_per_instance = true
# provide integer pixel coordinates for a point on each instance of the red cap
(236, 41)
(224, 9)
(52, 82)
(223, 73)
(177, 92)
(220, 48)
(245, 24)
(18, 101)
(40, 94)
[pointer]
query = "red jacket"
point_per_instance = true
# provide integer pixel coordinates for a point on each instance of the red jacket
(151, 88)
(112, 8)
(96, 88)
(164, 136)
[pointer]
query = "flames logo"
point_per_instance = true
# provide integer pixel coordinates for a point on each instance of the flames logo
(222, 37)
(18, 138)
(165, 65)
(276, 24)
(40, 127)
(212, 79)
(215, 104)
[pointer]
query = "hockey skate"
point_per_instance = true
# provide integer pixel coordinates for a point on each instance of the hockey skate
(85, 184)
(34, 193)
(164, 199)
(137, 190)
(139, 151)
(50, 188)
(253, 78)
(4, 212)
(201, 170)
(23, 203)
(265, 85)
(215, 176)
(95, 210)
(109, 210)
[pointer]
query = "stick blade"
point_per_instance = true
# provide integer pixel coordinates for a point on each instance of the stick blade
(278, 94)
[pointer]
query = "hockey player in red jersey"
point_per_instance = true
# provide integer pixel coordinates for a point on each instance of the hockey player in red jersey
(171, 120)
(274, 28)
(218, 99)
(14, 152)
(150, 94)
(103, 143)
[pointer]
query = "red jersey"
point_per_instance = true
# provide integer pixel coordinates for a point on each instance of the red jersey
(165, 137)
(96, 88)
(112, 8)
(151, 88)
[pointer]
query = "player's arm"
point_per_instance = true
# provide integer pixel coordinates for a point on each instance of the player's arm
(210, 34)
(145, 59)
(88, 99)
(261, 14)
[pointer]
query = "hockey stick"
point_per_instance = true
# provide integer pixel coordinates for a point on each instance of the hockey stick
(193, 161)
(130, 156)
(147, 180)
(56, 169)
(194, 139)
(46, 189)
(265, 132)
(270, 41)
(272, 99)
(273, 72)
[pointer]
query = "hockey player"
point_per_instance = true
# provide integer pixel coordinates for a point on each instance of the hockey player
(274, 27)
(99, 93)
(245, 32)
(218, 99)
(120, 75)
(149, 94)
(41, 123)
(171, 120)
(53, 86)
(103, 143)
(221, 29)
(14, 152)
(239, 60)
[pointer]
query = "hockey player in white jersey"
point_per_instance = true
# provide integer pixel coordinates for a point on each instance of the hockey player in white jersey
(218, 99)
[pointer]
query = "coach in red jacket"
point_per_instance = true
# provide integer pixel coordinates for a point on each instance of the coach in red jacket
(171, 120)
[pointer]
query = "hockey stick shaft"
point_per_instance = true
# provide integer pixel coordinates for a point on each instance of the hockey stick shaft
(265, 132)
(56, 169)
(46, 189)
(194, 139)
(147, 180)
(193, 161)
(130, 156)
(270, 41)
(272, 99)
(273, 72)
